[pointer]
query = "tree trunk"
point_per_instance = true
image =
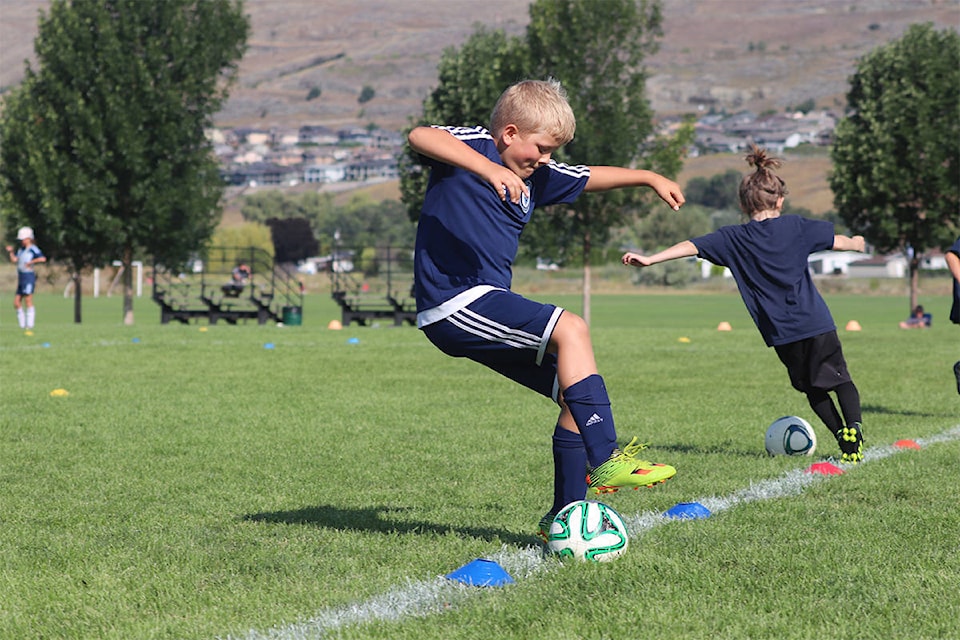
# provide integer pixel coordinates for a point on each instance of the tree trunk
(586, 277)
(77, 297)
(914, 281)
(127, 286)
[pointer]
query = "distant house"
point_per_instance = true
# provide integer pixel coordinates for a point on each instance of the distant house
(325, 173)
(385, 168)
(934, 260)
(251, 136)
(889, 266)
(316, 134)
(834, 263)
(259, 174)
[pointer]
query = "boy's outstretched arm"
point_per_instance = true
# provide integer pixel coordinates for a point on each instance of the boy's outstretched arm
(683, 249)
(844, 243)
(443, 146)
(603, 178)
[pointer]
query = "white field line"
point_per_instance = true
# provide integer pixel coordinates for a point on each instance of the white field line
(426, 597)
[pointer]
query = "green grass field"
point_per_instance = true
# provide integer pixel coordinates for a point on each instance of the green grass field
(196, 484)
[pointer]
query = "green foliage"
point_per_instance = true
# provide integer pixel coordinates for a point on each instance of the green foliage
(672, 274)
(366, 94)
(250, 234)
(597, 50)
(806, 106)
(663, 228)
(896, 155)
(723, 217)
(720, 191)
(361, 222)
(470, 80)
(275, 203)
(314, 93)
(102, 148)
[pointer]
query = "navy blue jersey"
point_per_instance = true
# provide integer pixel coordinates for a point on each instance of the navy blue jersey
(467, 237)
(768, 260)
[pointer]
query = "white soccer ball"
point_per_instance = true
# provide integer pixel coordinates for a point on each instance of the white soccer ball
(791, 436)
(588, 530)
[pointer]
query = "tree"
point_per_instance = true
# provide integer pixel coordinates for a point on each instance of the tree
(896, 154)
(597, 50)
(719, 191)
(470, 81)
(103, 147)
(366, 94)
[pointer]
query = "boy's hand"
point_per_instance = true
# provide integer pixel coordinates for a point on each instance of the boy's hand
(669, 191)
(635, 260)
(505, 182)
(859, 243)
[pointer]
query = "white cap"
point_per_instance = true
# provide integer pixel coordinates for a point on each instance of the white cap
(24, 233)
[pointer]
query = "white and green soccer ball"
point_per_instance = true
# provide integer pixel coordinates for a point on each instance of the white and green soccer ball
(791, 436)
(588, 530)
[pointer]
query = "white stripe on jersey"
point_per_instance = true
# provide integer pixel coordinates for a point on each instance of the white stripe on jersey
(577, 171)
(466, 133)
(493, 331)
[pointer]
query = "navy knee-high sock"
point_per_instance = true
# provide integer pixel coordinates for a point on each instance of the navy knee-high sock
(569, 468)
(590, 405)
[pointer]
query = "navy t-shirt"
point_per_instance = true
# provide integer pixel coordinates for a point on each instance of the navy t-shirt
(768, 259)
(467, 237)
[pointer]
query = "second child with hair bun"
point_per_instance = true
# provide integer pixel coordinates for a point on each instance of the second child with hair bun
(767, 256)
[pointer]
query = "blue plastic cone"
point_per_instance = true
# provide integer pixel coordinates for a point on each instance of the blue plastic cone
(481, 573)
(688, 510)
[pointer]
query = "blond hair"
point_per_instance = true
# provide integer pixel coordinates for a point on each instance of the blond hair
(535, 106)
(760, 190)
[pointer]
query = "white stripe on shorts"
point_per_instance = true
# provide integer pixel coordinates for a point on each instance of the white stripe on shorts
(493, 331)
(478, 325)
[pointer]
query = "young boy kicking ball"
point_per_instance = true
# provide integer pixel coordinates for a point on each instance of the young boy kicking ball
(484, 186)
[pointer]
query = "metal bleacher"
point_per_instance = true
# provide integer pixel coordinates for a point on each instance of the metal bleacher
(204, 291)
(371, 285)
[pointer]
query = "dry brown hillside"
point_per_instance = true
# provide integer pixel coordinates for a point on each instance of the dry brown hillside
(739, 53)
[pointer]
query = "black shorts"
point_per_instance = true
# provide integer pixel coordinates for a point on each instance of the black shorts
(815, 363)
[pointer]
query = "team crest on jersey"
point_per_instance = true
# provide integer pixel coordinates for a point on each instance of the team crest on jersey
(525, 198)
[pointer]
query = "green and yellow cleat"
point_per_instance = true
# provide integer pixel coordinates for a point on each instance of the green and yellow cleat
(623, 470)
(850, 440)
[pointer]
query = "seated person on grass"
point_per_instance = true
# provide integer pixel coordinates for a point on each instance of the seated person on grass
(917, 320)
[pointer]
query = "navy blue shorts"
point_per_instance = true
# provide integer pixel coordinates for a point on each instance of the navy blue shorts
(507, 333)
(26, 282)
(815, 363)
